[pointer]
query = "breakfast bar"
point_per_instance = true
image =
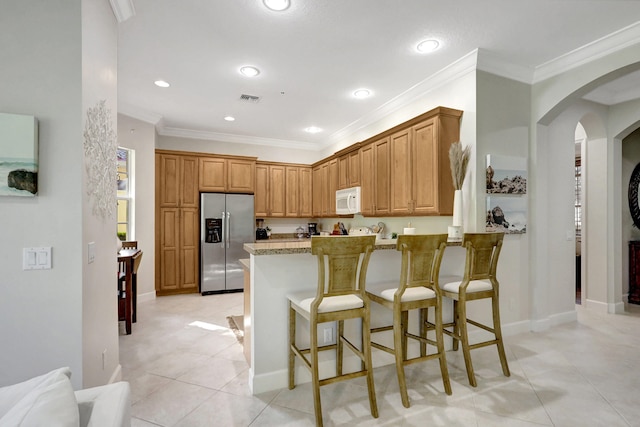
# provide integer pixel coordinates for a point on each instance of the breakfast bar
(278, 268)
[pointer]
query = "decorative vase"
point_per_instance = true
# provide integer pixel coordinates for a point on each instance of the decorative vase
(455, 230)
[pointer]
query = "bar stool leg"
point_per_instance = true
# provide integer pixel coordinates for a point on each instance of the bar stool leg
(462, 325)
(399, 342)
(315, 376)
(444, 370)
(498, 332)
(339, 347)
(456, 325)
(366, 350)
(292, 341)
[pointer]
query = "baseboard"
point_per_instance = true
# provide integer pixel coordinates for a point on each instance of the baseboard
(617, 307)
(117, 375)
(566, 317)
(597, 306)
(515, 328)
(147, 296)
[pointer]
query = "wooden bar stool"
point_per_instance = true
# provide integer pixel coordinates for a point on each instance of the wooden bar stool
(417, 290)
(342, 268)
(479, 282)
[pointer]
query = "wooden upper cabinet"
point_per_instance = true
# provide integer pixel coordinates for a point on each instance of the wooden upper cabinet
(425, 179)
(382, 176)
(349, 170)
(241, 176)
(213, 173)
(227, 175)
(306, 193)
(401, 169)
(277, 191)
(177, 181)
(292, 191)
(261, 199)
(317, 185)
(367, 165)
(333, 187)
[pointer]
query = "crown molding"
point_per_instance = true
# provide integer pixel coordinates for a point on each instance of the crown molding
(448, 74)
(494, 64)
(139, 114)
(236, 139)
(122, 9)
(597, 49)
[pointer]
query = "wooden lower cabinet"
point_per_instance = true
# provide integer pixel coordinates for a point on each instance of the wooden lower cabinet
(178, 266)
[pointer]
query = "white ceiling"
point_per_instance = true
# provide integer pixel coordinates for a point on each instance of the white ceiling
(313, 55)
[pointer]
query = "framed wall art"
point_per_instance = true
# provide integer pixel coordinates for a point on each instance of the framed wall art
(506, 194)
(18, 155)
(506, 175)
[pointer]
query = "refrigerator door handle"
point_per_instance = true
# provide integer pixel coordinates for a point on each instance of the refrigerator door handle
(224, 231)
(228, 229)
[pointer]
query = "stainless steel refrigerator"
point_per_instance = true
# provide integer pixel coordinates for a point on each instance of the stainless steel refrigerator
(227, 223)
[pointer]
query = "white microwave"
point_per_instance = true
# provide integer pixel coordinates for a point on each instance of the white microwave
(348, 201)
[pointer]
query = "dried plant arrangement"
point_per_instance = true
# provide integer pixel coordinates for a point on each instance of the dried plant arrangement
(459, 158)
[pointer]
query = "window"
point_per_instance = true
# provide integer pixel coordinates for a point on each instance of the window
(125, 194)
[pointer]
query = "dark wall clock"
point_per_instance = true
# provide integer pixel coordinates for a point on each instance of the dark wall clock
(634, 186)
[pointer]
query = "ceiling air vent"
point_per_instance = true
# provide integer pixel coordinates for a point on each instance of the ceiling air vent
(249, 98)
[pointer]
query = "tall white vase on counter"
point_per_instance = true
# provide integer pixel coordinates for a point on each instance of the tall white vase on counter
(455, 230)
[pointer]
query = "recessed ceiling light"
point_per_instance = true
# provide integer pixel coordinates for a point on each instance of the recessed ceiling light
(161, 83)
(427, 46)
(312, 129)
(249, 71)
(277, 5)
(362, 93)
(229, 118)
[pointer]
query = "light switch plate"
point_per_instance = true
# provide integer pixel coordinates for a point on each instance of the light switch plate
(36, 258)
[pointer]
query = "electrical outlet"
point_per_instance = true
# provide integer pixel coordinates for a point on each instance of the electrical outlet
(328, 335)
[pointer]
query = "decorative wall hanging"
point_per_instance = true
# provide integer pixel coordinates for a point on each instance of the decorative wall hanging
(100, 160)
(634, 189)
(506, 194)
(18, 155)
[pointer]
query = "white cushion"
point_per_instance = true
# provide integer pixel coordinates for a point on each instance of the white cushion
(51, 403)
(387, 291)
(328, 304)
(12, 394)
(474, 286)
(107, 405)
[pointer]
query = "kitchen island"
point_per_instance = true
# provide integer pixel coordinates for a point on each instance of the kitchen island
(278, 268)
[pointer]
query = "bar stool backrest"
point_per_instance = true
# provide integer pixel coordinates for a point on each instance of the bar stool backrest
(483, 251)
(421, 259)
(132, 244)
(342, 264)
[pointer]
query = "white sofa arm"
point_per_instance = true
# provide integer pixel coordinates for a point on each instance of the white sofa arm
(105, 406)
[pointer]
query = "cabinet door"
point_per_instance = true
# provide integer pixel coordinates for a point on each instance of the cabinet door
(292, 191)
(189, 249)
(366, 175)
(401, 195)
(354, 169)
(343, 172)
(333, 187)
(212, 174)
(168, 266)
(425, 168)
(240, 176)
(276, 191)
(261, 198)
(325, 188)
(382, 176)
(167, 179)
(317, 186)
(305, 193)
(189, 194)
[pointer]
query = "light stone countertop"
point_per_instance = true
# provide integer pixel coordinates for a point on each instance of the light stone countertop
(303, 246)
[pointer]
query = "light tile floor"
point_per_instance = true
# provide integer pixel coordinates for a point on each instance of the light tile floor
(186, 368)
